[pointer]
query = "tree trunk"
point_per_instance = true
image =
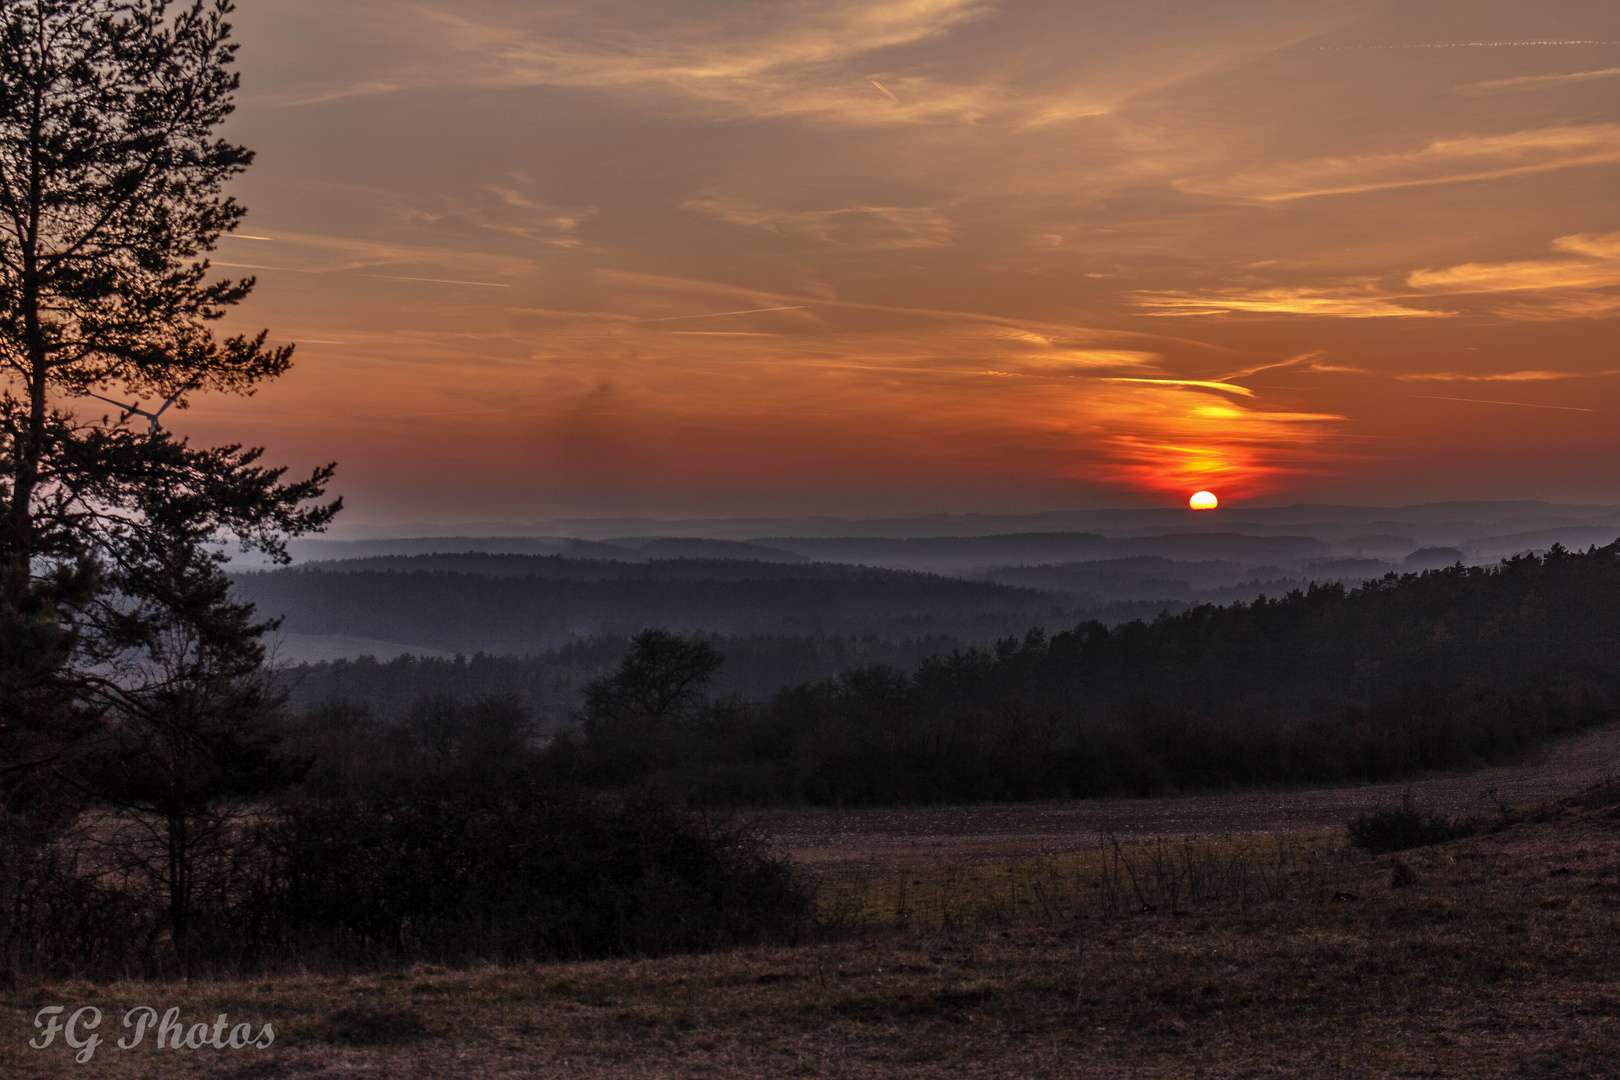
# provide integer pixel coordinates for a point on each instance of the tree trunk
(179, 859)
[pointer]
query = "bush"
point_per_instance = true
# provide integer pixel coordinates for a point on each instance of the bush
(448, 870)
(1408, 826)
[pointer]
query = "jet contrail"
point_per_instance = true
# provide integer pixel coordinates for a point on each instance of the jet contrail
(717, 314)
(885, 89)
(1488, 401)
(1459, 45)
(351, 273)
(435, 280)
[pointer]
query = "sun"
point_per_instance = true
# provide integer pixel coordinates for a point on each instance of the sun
(1204, 500)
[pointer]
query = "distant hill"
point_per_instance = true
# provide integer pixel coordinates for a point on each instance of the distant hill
(970, 552)
(516, 604)
(680, 547)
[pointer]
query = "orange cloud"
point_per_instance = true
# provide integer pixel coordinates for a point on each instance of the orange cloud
(1600, 266)
(1567, 284)
(748, 60)
(1338, 304)
(1536, 82)
(1181, 447)
(1501, 376)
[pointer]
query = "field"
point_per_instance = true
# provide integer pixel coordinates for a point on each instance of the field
(1222, 936)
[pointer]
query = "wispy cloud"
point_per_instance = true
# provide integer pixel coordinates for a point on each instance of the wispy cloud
(1501, 376)
(869, 227)
(1537, 82)
(1344, 303)
(754, 59)
(1189, 384)
(1443, 161)
(1597, 264)
(1567, 286)
(314, 253)
(1547, 289)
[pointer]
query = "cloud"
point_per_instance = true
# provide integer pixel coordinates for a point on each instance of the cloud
(875, 228)
(1355, 303)
(1536, 82)
(1190, 384)
(1597, 265)
(1500, 376)
(310, 253)
(1176, 447)
(508, 207)
(1567, 285)
(978, 395)
(1558, 308)
(752, 59)
(1592, 262)
(1443, 161)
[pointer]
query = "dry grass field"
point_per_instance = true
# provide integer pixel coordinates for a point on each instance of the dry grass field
(1263, 950)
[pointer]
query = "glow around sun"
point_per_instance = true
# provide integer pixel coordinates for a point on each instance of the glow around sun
(1204, 500)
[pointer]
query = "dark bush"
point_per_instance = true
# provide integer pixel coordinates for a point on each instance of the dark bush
(1408, 826)
(444, 869)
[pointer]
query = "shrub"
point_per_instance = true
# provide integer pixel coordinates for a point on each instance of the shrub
(444, 869)
(1408, 826)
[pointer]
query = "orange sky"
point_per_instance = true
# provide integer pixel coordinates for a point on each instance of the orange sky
(893, 256)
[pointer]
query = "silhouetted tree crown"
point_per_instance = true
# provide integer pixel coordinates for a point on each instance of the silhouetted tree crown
(111, 192)
(662, 677)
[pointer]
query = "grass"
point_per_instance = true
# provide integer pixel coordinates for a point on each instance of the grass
(1493, 955)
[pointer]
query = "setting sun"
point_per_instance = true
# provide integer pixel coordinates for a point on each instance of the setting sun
(1204, 500)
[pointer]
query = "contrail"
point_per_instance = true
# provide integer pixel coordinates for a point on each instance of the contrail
(885, 89)
(1460, 45)
(435, 280)
(350, 273)
(717, 314)
(1488, 401)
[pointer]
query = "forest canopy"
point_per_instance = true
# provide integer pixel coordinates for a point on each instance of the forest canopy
(1449, 668)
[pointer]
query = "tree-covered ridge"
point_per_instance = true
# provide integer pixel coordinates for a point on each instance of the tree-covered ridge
(1448, 668)
(456, 611)
(1327, 647)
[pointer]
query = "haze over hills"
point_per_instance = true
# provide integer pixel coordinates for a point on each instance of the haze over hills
(1482, 529)
(1310, 518)
(515, 605)
(967, 578)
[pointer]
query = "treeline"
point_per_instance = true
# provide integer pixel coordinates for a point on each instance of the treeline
(1445, 669)
(549, 683)
(441, 836)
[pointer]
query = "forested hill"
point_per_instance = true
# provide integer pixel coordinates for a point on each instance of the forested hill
(1527, 625)
(524, 604)
(1449, 668)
